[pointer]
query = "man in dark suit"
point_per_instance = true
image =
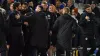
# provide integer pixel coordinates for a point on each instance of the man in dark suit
(16, 39)
(39, 39)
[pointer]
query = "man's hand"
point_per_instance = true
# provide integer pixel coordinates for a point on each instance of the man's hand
(26, 23)
(8, 46)
(17, 16)
(87, 18)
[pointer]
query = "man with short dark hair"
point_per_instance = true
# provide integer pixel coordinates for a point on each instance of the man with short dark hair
(39, 38)
(44, 5)
(16, 38)
(70, 4)
(87, 24)
(26, 16)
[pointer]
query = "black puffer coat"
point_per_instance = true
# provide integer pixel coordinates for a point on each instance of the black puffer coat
(64, 27)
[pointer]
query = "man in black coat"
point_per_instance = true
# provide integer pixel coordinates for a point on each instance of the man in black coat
(87, 24)
(63, 29)
(16, 39)
(39, 39)
(28, 18)
(2, 32)
(96, 11)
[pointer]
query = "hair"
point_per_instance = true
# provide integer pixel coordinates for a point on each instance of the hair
(30, 4)
(44, 2)
(67, 10)
(76, 10)
(86, 6)
(12, 4)
(54, 8)
(16, 4)
(71, 1)
(25, 3)
(58, 3)
(40, 7)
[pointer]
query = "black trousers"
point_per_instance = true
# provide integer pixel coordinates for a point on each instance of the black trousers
(26, 49)
(35, 51)
(26, 41)
(16, 46)
(89, 41)
(61, 51)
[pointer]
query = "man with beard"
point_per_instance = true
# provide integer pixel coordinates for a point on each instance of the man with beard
(70, 4)
(26, 18)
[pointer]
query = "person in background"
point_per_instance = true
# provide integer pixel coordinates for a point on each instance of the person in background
(45, 6)
(48, 1)
(61, 9)
(58, 3)
(7, 25)
(63, 29)
(76, 38)
(8, 3)
(35, 2)
(70, 4)
(87, 23)
(11, 9)
(25, 8)
(96, 11)
(51, 17)
(31, 5)
(75, 14)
